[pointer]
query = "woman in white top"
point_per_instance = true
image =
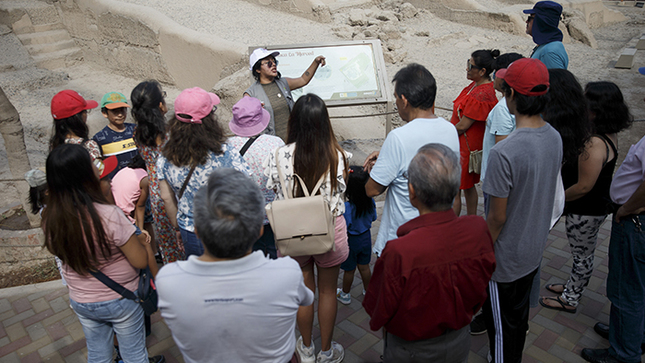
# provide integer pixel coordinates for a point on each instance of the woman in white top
(312, 152)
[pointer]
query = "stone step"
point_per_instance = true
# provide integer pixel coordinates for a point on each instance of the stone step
(35, 49)
(44, 37)
(626, 58)
(59, 59)
(48, 27)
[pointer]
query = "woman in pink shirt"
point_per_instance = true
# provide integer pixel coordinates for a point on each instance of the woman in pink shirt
(88, 234)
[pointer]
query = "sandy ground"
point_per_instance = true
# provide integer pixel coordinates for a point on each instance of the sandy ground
(440, 45)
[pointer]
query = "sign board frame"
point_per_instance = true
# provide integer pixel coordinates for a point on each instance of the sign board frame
(385, 96)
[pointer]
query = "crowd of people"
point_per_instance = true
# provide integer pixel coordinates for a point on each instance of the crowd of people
(181, 194)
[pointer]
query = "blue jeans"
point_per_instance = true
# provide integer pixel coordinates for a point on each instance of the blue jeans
(626, 289)
(101, 320)
(192, 244)
(266, 243)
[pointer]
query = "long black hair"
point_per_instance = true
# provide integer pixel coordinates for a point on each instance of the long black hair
(70, 125)
(146, 98)
(355, 192)
(608, 111)
(566, 111)
(73, 228)
(316, 145)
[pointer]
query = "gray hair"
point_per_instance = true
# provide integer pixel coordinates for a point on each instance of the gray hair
(229, 212)
(435, 175)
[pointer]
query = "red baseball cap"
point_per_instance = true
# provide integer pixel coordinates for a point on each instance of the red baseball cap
(524, 75)
(109, 164)
(68, 103)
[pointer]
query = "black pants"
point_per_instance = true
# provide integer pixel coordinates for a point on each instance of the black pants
(506, 314)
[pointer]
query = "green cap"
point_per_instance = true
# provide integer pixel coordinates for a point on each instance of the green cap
(112, 100)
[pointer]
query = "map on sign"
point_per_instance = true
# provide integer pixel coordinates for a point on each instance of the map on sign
(351, 72)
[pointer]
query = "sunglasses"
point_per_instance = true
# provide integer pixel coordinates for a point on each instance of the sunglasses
(470, 66)
(530, 18)
(269, 63)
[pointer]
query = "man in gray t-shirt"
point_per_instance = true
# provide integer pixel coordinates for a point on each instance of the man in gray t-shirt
(521, 182)
(231, 304)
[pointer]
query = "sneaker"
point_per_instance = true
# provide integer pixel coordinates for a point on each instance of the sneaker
(305, 355)
(157, 359)
(477, 326)
(337, 354)
(343, 297)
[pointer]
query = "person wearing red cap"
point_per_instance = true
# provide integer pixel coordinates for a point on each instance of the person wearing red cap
(69, 110)
(521, 181)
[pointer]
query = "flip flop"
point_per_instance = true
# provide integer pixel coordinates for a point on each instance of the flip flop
(551, 286)
(563, 305)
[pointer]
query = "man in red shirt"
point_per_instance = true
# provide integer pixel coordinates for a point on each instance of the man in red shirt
(429, 282)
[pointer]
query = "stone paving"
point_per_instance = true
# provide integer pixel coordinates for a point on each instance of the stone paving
(39, 326)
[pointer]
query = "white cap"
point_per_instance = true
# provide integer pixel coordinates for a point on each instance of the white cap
(258, 54)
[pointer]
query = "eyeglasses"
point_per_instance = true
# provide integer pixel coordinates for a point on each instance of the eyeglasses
(163, 94)
(269, 63)
(530, 18)
(214, 108)
(470, 66)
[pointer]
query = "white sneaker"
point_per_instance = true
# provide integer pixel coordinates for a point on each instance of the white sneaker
(337, 354)
(305, 355)
(343, 297)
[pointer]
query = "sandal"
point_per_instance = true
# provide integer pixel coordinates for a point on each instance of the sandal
(564, 306)
(551, 287)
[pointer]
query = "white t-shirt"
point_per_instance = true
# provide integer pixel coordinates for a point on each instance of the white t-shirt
(499, 122)
(400, 146)
(241, 310)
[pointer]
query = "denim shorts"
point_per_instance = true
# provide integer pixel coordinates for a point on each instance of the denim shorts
(192, 244)
(360, 251)
(101, 320)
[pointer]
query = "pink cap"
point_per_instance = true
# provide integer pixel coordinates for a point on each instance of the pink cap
(195, 103)
(68, 103)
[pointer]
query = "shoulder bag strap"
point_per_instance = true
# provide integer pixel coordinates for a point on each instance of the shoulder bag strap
(114, 285)
(248, 144)
(467, 145)
(286, 192)
(183, 187)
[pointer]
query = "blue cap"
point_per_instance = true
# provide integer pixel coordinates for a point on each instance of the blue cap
(545, 25)
(641, 70)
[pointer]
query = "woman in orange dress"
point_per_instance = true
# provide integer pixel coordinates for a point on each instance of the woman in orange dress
(469, 117)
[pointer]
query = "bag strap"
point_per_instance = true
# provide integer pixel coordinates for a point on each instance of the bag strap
(466, 136)
(288, 192)
(114, 285)
(248, 144)
(183, 187)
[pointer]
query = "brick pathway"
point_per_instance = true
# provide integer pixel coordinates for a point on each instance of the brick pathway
(39, 326)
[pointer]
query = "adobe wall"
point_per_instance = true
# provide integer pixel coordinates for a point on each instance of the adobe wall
(508, 17)
(142, 43)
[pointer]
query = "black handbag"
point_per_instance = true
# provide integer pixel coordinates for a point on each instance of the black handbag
(146, 294)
